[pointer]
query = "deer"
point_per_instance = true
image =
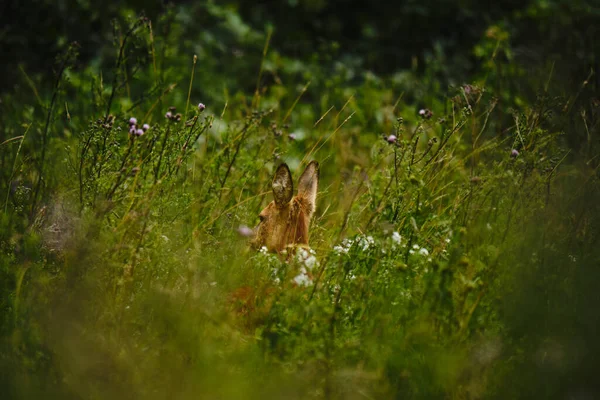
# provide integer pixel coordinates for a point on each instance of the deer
(283, 226)
(284, 222)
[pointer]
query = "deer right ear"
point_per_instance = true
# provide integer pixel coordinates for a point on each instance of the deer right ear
(283, 187)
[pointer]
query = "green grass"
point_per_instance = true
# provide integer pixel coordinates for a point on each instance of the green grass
(446, 266)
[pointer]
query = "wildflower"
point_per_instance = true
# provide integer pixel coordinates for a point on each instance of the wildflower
(264, 250)
(514, 153)
(310, 262)
(391, 139)
(426, 113)
(340, 250)
(145, 127)
(292, 136)
(366, 242)
(177, 117)
(132, 130)
(245, 231)
(201, 107)
(139, 132)
(302, 279)
(169, 115)
(416, 246)
(396, 238)
(132, 121)
(307, 258)
(423, 251)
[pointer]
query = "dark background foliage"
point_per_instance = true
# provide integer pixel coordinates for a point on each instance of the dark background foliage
(385, 37)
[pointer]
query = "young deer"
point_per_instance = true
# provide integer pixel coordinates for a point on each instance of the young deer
(285, 221)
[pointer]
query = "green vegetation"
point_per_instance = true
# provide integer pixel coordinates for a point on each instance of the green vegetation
(455, 244)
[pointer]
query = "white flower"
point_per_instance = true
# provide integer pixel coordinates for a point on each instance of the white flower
(416, 246)
(411, 252)
(340, 250)
(424, 252)
(302, 254)
(302, 279)
(264, 250)
(310, 262)
(396, 238)
(447, 240)
(366, 242)
(307, 258)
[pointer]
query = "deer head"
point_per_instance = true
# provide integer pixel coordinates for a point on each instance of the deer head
(286, 219)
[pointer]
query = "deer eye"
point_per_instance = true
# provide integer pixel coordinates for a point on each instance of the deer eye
(262, 218)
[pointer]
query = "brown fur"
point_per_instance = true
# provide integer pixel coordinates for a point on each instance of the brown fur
(285, 221)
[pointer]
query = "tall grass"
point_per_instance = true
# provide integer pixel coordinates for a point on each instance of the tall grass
(453, 257)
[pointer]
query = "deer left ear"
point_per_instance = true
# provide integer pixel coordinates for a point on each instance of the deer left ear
(308, 183)
(283, 186)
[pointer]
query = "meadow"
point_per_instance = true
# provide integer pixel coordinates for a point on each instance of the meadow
(453, 252)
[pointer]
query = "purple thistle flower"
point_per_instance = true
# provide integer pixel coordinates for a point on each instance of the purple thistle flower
(514, 153)
(169, 115)
(391, 139)
(139, 132)
(245, 231)
(145, 127)
(132, 130)
(426, 113)
(201, 107)
(132, 121)
(292, 136)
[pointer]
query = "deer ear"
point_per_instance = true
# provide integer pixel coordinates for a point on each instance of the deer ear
(308, 183)
(283, 187)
